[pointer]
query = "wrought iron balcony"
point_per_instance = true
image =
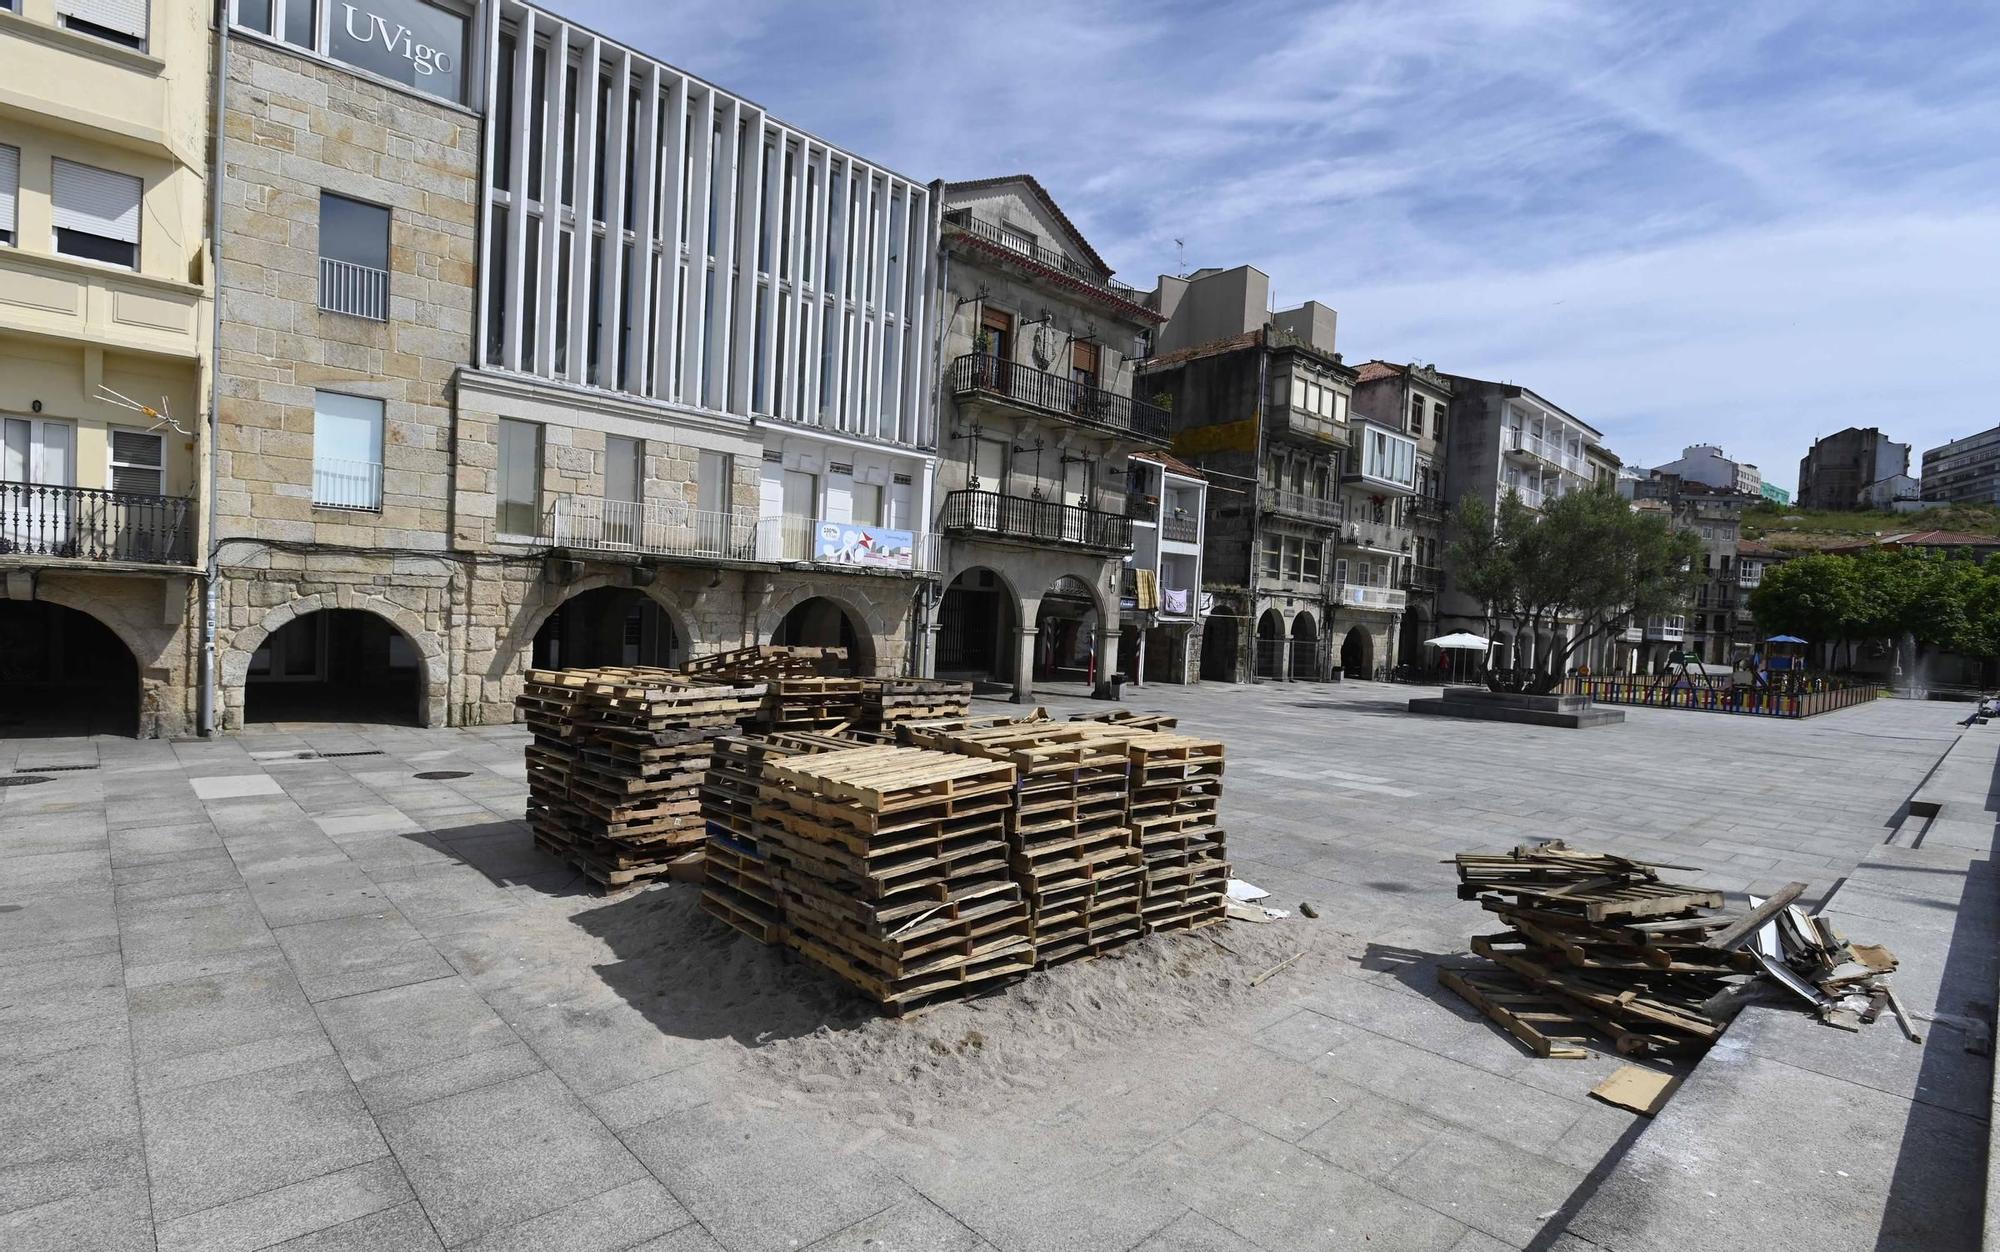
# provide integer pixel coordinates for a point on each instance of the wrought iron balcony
(1041, 392)
(1422, 578)
(340, 484)
(356, 290)
(1426, 509)
(1042, 521)
(1013, 241)
(1180, 529)
(1299, 504)
(86, 524)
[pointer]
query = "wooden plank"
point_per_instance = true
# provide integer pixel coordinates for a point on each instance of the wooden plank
(1738, 932)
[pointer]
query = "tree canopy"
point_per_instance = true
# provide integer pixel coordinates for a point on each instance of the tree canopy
(1945, 601)
(1585, 558)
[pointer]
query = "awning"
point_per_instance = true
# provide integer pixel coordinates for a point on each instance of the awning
(1784, 639)
(1463, 641)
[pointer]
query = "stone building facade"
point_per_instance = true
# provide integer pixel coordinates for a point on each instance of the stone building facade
(335, 572)
(1041, 408)
(1418, 399)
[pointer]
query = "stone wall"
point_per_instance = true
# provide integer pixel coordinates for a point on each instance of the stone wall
(156, 617)
(293, 127)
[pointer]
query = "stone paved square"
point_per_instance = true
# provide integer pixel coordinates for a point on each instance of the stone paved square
(323, 999)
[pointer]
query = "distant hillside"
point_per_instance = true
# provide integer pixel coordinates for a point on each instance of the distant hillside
(1799, 530)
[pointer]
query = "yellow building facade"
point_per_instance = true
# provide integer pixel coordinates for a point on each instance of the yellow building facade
(105, 110)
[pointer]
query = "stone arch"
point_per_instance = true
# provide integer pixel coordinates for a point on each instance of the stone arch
(433, 672)
(870, 629)
(521, 635)
(76, 703)
(978, 638)
(1357, 653)
(1269, 660)
(1305, 645)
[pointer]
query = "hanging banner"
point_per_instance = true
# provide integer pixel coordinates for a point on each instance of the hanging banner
(875, 547)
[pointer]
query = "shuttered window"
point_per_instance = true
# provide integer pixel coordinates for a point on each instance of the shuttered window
(97, 213)
(137, 462)
(10, 190)
(120, 21)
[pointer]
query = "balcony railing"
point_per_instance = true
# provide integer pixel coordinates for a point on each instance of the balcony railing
(1422, 578)
(1180, 529)
(1015, 242)
(1045, 521)
(1530, 496)
(675, 530)
(1527, 444)
(1058, 396)
(339, 484)
(356, 290)
(1354, 595)
(86, 524)
(1426, 509)
(1299, 504)
(1376, 537)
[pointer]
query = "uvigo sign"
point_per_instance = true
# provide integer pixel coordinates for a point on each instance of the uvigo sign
(405, 40)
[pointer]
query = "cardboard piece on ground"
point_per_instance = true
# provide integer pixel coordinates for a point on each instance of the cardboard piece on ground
(1644, 1091)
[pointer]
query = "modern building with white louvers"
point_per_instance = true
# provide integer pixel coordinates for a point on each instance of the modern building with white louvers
(701, 414)
(105, 313)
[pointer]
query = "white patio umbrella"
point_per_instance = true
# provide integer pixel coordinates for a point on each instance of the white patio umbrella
(1461, 641)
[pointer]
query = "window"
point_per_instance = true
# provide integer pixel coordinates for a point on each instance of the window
(1295, 558)
(137, 462)
(1274, 560)
(712, 483)
(1340, 570)
(1083, 364)
(868, 504)
(1312, 561)
(37, 451)
(115, 21)
(10, 190)
(96, 214)
(1437, 420)
(1416, 415)
(417, 44)
(624, 472)
(520, 485)
(1390, 458)
(347, 451)
(353, 257)
(995, 326)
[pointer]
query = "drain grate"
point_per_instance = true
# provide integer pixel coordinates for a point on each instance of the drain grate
(438, 775)
(364, 752)
(24, 780)
(54, 769)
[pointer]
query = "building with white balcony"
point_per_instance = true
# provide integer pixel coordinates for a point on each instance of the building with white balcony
(1417, 400)
(1161, 608)
(105, 313)
(1505, 439)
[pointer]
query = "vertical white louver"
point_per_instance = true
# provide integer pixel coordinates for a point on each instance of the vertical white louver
(10, 184)
(96, 202)
(127, 17)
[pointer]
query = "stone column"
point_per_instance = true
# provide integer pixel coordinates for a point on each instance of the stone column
(1107, 653)
(1024, 667)
(927, 664)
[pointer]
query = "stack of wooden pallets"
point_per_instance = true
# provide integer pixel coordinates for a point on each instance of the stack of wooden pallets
(887, 701)
(767, 661)
(1175, 815)
(1129, 717)
(1068, 842)
(1597, 945)
(549, 702)
(737, 885)
(890, 868)
(810, 704)
(638, 747)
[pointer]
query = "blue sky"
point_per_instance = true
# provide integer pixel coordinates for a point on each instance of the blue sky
(1747, 224)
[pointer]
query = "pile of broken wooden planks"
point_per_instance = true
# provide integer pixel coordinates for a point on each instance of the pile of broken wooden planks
(890, 869)
(629, 766)
(887, 701)
(1600, 947)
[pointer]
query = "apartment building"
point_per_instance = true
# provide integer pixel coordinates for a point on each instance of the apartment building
(1719, 619)
(1505, 438)
(105, 323)
(1707, 464)
(1161, 608)
(1419, 399)
(1838, 470)
(1307, 526)
(1964, 471)
(1039, 420)
(537, 350)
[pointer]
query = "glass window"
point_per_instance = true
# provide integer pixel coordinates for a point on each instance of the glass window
(1417, 415)
(96, 213)
(137, 462)
(353, 257)
(520, 486)
(712, 482)
(405, 41)
(624, 468)
(347, 451)
(115, 21)
(299, 25)
(1274, 562)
